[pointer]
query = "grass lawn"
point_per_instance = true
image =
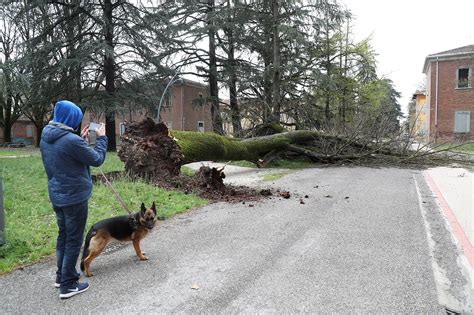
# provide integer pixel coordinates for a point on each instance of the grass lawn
(289, 164)
(31, 228)
(464, 148)
(286, 164)
(19, 152)
(275, 176)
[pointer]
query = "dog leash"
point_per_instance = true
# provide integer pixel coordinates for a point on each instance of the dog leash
(115, 192)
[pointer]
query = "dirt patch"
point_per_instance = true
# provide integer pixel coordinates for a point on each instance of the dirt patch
(199, 184)
(151, 153)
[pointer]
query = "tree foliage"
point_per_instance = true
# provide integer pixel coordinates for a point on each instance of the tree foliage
(284, 62)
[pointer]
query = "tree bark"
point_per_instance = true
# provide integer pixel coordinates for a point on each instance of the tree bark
(328, 74)
(203, 147)
(213, 88)
(109, 73)
(234, 105)
(8, 120)
(276, 62)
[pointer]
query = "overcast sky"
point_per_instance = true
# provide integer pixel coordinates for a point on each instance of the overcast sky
(404, 32)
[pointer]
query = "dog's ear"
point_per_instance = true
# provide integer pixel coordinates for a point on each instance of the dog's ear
(142, 208)
(153, 207)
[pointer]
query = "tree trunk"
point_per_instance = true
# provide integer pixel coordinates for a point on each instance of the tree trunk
(152, 152)
(328, 75)
(7, 131)
(213, 88)
(109, 73)
(267, 57)
(276, 62)
(39, 130)
(343, 103)
(7, 135)
(234, 105)
(149, 150)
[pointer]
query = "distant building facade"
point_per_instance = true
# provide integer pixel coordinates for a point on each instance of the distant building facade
(23, 130)
(418, 115)
(186, 107)
(450, 94)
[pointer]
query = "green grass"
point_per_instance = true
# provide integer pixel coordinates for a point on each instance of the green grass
(187, 171)
(454, 147)
(243, 163)
(290, 164)
(466, 148)
(274, 176)
(31, 228)
(112, 163)
(19, 152)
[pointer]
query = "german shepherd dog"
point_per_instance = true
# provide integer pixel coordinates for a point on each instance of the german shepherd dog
(132, 227)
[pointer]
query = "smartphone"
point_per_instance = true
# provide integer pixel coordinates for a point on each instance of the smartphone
(93, 126)
(92, 134)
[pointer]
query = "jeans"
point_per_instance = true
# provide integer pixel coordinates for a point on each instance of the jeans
(71, 223)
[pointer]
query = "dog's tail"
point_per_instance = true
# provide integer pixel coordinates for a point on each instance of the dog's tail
(85, 251)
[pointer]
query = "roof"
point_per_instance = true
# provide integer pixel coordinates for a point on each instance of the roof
(418, 92)
(456, 53)
(23, 118)
(191, 82)
(464, 49)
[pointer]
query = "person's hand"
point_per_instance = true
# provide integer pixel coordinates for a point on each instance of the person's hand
(100, 131)
(85, 133)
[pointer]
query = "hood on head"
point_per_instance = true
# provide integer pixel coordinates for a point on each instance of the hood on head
(67, 113)
(54, 131)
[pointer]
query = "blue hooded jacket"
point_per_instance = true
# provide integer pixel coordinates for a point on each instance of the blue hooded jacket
(67, 157)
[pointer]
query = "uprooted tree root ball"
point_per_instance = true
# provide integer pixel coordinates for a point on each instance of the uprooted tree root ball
(151, 153)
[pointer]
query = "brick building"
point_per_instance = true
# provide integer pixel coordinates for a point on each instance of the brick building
(188, 108)
(185, 108)
(418, 116)
(23, 130)
(450, 94)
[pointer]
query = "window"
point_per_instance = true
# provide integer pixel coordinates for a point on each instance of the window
(122, 128)
(169, 100)
(201, 126)
(464, 75)
(198, 102)
(29, 131)
(462, 121)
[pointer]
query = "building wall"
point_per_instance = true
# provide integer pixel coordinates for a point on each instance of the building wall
(428, 104)
(450, 98)
(171, 113)
(196, 108)
(183, 114)
(24, 129)
(188, 108)
(421, 116)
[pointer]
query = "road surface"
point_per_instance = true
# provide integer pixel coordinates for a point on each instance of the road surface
(364, 240)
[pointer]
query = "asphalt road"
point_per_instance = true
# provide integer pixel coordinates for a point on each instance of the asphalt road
(359, 243)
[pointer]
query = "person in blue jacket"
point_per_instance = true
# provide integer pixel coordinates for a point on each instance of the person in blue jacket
(67, 158)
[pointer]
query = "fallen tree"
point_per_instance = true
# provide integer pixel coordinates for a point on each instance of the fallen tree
(151, 151)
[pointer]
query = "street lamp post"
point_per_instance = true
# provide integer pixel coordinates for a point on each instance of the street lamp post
(164, 93)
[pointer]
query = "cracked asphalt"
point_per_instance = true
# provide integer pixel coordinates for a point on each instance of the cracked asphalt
(358, 244)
